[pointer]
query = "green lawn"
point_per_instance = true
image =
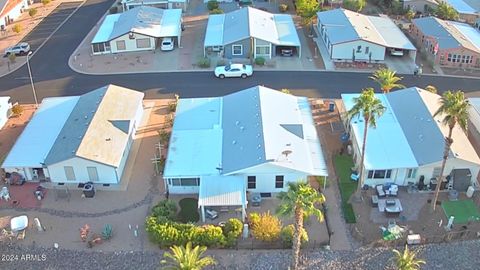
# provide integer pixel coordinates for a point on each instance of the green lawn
(188, 210)
(462, 210)
(343, 165)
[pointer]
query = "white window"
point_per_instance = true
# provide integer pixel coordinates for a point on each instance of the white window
(237, 50)
(367, 50)
(101, 47)
(92, 174)
(121, 45)
(412, 173)
(143, 43)
(262, 50)
(184, 182)
(69, 173)
(379, 174)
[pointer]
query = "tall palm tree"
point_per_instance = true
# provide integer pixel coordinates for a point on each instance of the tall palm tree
(186, 258)
(387, 79)
(446, 12)
(407, 260)
(299, 200)
(370, 108)
(454, 108)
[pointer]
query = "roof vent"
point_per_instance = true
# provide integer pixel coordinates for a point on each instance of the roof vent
(259, 146)
(237, 122)
(76, 119)
(79, 137)
(286, 153)
(108, 139)
(258, 135)
(234, 142)
(242, 128)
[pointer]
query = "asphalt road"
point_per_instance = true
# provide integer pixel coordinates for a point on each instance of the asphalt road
(53, 77)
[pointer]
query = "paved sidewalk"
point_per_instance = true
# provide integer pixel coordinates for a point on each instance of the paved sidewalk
(329, 65)
(28, 24)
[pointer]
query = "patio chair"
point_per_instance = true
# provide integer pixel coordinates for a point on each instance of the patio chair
(380, 191)
(211, 214)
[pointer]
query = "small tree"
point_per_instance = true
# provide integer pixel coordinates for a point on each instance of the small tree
(446, 12)
(46, 2)
(410, 14)
(287, 235)
(17, 28)
(32, 12)
(307, 10)
(286, 91)
(407, 260)
(12, 57)
(17, 110)
(212, 4)
(354, 5)
(216, 11)
(431, 89)
(266, 227)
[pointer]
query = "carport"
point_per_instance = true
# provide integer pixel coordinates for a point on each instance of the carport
(222, 191)
(287, 35)
(214, 36)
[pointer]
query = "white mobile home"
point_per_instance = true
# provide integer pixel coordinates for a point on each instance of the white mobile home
(255, 140)
(408, 143)
(78, 139)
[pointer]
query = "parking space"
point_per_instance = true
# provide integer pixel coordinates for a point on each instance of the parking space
(43, 30)
(401, 64)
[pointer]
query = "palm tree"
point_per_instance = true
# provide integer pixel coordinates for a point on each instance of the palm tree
(186, 258)
(446, 12)
(387, 79)
(299, 200)
(407, 260)
(370, 108)
(454, 107)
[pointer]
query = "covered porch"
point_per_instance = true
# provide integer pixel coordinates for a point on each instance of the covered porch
(222, 191)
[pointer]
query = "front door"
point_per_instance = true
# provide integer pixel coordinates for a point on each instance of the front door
(400, 177)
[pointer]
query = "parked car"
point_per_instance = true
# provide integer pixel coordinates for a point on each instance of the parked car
(19, 49)
(234, 70)
(167, 44)
(396, 52)
(286, 52)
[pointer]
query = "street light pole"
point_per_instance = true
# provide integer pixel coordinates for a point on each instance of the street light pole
(31, 79)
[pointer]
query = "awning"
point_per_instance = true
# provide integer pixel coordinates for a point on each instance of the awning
(222, 191)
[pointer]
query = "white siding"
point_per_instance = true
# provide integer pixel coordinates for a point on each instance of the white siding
(345, 51)
(4, 109)
(106, 174)
(131, 44)
(15, 12)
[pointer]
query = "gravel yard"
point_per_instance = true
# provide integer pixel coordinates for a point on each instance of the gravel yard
(459, 255)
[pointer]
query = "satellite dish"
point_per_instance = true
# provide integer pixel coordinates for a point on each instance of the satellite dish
(286, 152)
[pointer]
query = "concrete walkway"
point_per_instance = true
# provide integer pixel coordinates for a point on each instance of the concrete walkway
(329, 65)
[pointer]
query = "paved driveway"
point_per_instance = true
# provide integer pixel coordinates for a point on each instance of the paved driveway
(403, 64)
(43, 30)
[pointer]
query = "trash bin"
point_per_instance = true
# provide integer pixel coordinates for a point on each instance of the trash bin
(89, 190)
(470, 191)
(331, 106)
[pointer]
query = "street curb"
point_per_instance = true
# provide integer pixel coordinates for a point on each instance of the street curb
(261, 70)
(49, 36)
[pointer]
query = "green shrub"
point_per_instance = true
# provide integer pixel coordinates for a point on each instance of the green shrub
(166, 208)
(212, 4)
(17, 28)
(32, 12)
(107, 232)
(164, 136)
(266, 227)
(174, 233)
(12, 57)
(216, 11)
(188, 210)
(46, 2)
(221, 62)
(260, 61)
(234, 227)
(287, 235)
(113, 10)
(283, 7)
(204, 62)
(17, 110)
